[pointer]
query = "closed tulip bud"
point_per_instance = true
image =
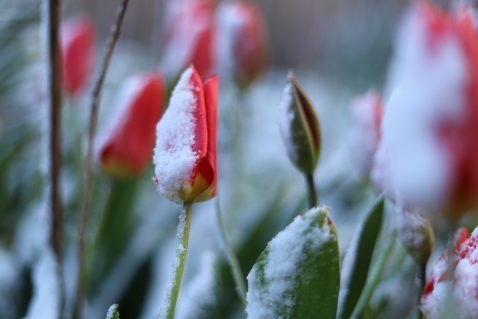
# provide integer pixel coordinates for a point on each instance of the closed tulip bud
(365, 131)
(299, 127)
(451, 290)
(415, 233)
(242, 46)
(427, 155)
(126, 147)
(78, 47)
(190, 38)
(185, 153)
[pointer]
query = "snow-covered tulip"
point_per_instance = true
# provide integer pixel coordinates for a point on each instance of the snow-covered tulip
(78, 46)
(451, 290)
(366, 113)
(189, 38)
(185, 153)
(241, 41)
(299, 127)
(126, 147)
(427, 157)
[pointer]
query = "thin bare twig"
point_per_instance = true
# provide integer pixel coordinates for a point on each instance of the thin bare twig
(53, 17)
(54, 91)
(87, 181)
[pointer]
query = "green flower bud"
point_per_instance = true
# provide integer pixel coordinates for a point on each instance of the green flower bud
(415, 234)
(299, 127)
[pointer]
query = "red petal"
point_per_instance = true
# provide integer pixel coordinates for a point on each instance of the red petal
(129, 149)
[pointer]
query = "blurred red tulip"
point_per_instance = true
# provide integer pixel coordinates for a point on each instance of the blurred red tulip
(451, 290)
(78, 47)
(185, 154)
(127, 146)
(190, 38)
(365, 130)
(428, 157)
(242, 46)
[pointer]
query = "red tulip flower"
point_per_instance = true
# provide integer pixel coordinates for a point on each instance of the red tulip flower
(78, 47)
(452, 287)
(127, 146)
(185, 154)
(242, 41)
(428, 155)
(190, 38)
(365, 130)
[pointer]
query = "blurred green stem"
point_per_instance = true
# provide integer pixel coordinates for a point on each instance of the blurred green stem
(232, 258)
(178, 265)
(373, 278)
(309, 179)
(421, 276)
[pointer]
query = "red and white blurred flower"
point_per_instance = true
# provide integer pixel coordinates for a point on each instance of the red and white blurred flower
(365, 130)
(241, 41)
(190, 36)
(428, 155)
(452, 287)
(78, 48)
(126, 147)
(185, 153)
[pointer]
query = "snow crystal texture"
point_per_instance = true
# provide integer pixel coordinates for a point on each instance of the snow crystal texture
(174, 158)
(282, 265)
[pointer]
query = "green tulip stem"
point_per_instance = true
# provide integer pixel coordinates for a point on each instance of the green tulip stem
(374, 277)
(184, 228)
(421, 276)
(232, 258)
(309, 179)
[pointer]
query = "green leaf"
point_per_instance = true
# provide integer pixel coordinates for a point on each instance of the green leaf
(357, 261)
(113, 312)
(298, 274)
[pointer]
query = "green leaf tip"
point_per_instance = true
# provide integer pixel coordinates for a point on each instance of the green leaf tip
(113, 312)
(298, 274)
(358, 258)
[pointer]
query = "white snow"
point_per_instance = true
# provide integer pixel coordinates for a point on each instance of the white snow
(174, 157)
(426, 86)
(111, 311)
(45, 303)
(229, 20)
(186, 24)
(365, 131)
(282, 266)
(286, 117)
(411, 228)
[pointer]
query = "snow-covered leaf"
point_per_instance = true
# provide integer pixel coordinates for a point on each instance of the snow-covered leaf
(358, 258)
(298, 274)
(113, 312)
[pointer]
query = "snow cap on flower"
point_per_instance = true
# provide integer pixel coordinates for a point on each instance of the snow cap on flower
(451, 290)
(241, 41)
(365, 130)
(78, 47)
(185, 153)
(299, 127)
(126, 146)
(190, 34)
(427, 157)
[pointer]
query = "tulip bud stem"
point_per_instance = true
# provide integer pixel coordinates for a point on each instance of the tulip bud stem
(232, 258)
(178, 265)
(421, 280)
(309, 179)
(374, 277)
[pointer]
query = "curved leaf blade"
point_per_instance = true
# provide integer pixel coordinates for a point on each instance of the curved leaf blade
(357, 260)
